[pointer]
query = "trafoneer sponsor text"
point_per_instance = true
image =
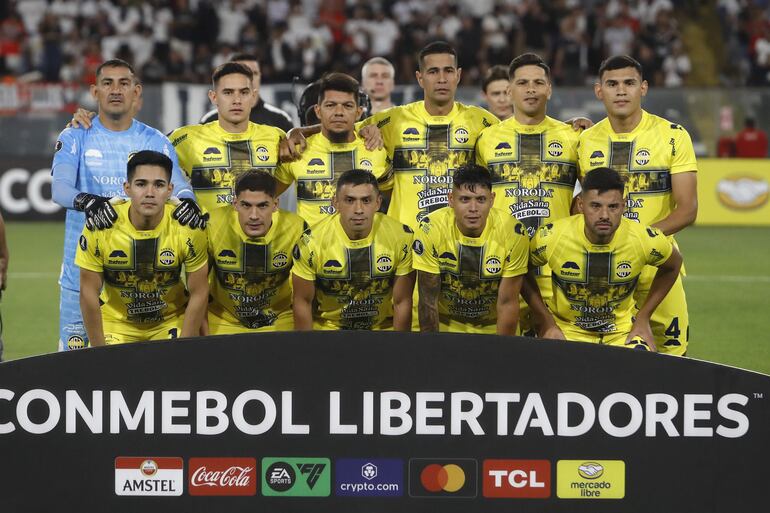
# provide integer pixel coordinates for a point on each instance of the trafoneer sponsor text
(390, 413)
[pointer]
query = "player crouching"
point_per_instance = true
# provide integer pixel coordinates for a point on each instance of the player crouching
(139, 264)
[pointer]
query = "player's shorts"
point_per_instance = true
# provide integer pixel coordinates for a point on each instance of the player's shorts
(670, 321)
(72, 332)
(220, 326)
(526, 325)
(124, 333)
(605, 339)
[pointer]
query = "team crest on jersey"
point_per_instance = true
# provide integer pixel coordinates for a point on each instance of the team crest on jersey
(167, 257)
(384, 264)
(493, 265)
(280, 260)
(555, 149)
(461, 135)
(623, 270)
(365, 164)
(76, 342)
(642, 157)
(262, 153)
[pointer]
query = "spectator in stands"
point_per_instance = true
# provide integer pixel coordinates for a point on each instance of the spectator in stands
(377, 80)
(751, 142)
(495, 92)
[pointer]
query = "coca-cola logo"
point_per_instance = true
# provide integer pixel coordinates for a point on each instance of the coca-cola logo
(223, 476)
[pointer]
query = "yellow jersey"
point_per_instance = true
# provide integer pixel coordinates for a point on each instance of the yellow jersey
(426, 150)
(249, 282)
(354, 278)
(593, 285)
(470, 267)
(213, 158)
(321, 164)
(645, 157)
(534, 169)
(142, 269)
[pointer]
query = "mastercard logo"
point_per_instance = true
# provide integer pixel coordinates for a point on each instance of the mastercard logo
(455, 477)
(448, 478)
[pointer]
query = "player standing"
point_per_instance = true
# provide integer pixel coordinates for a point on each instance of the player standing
(656, 159)
(471, 260)
(89, 167)
(138, 263)
(333, 151)
(250, 251)
(598, 258)
(354, 269)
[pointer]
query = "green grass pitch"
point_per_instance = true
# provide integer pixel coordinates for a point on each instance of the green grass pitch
(727, 283)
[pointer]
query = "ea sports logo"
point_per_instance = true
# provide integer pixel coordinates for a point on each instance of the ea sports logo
(493, 265)
(384, 264)
(623, 270)
(555, 149)
(280, 476)
(148, 468)
(461, 135)
(280, 260)
(166, 257)
(642, 157)
(263, 154)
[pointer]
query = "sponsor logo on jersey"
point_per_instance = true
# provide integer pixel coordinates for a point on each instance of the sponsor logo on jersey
(411, 131)
(493, 265)
(447, 255)
(503, 146)
(597, 479)
(315, 162)
(222, 476)
(656, 255)
(570, 268)
(598, 154)
(369, 478)
(296, 477)
(461, 135)
(211, 150)
(262, 153)
(516, 479)
(642, 157)
(280, 260)
(94, 153)
(743, 192)
(136, 476)
(118, 253)
(227, 253)
(332, 266)
(623, 270)
(166, 257)
(443, 477)
(555, 149)
(384, 264)
(178, 140)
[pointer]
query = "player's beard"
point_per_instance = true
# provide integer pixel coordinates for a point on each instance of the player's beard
(339, 137)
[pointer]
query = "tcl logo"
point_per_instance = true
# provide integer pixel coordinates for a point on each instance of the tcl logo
(223, 476)
(517, 479)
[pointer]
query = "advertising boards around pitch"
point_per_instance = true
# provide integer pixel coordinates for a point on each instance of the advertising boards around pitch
(25, 189)
(734, 192)
(330, 422)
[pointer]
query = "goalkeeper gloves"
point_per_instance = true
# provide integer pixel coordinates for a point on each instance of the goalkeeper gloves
(189, 213)
(99, 212)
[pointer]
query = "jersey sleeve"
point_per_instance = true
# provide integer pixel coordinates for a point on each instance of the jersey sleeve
(657, 247)
(481, 150)
(682, 152)
(89, 255)
(66, 159)
(425, 255)
(180, 142)
(384, 121)
(197, 250)
(538, 246)
(386, 177)
(405, 264)
(182, 188)
(517, 259)
(304, 255)
(283, 173)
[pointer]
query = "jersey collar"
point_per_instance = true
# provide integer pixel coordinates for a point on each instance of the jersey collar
(353, 244)
(438, 119)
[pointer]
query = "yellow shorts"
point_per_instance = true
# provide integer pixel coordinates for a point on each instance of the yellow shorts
(124, 333)
(605, 339)
(670, 321)
(526, 325)
(220, 326)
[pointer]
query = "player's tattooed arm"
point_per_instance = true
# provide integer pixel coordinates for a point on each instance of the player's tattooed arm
(304, 293)
(403, 289)
(429, 286)
(544, 322)
(90, 287)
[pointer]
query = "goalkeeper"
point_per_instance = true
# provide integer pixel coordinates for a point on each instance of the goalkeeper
(89, 167)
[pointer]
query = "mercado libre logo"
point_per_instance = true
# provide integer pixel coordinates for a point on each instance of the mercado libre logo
(443, 477)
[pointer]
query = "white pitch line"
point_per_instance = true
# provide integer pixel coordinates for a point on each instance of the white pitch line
(735, 279)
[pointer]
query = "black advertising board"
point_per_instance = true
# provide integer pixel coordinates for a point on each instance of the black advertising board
(380, 422)
(25, 189)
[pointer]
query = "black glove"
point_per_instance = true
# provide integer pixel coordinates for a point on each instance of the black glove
(99, 213)
(189, 213)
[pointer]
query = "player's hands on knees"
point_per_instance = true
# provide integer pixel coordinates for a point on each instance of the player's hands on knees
(291, 148)
(188, 213)
(372, 137)
(98, 210)
(642, 332)
(580, 123)
(81, 119)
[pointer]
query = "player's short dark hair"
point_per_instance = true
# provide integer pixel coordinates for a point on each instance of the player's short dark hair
(148, 158)
(528, 59)
(470, 176)
(338, 82)
(498, 72)
(230, 68)
(619, 62)
(357, 177)
(603, 179)
(242, 57)
(256, 180)
(436, 47)
(115, 63)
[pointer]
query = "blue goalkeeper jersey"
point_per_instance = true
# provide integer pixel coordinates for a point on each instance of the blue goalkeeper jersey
(94, 161)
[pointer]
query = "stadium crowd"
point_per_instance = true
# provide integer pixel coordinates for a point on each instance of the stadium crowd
(182, 40)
